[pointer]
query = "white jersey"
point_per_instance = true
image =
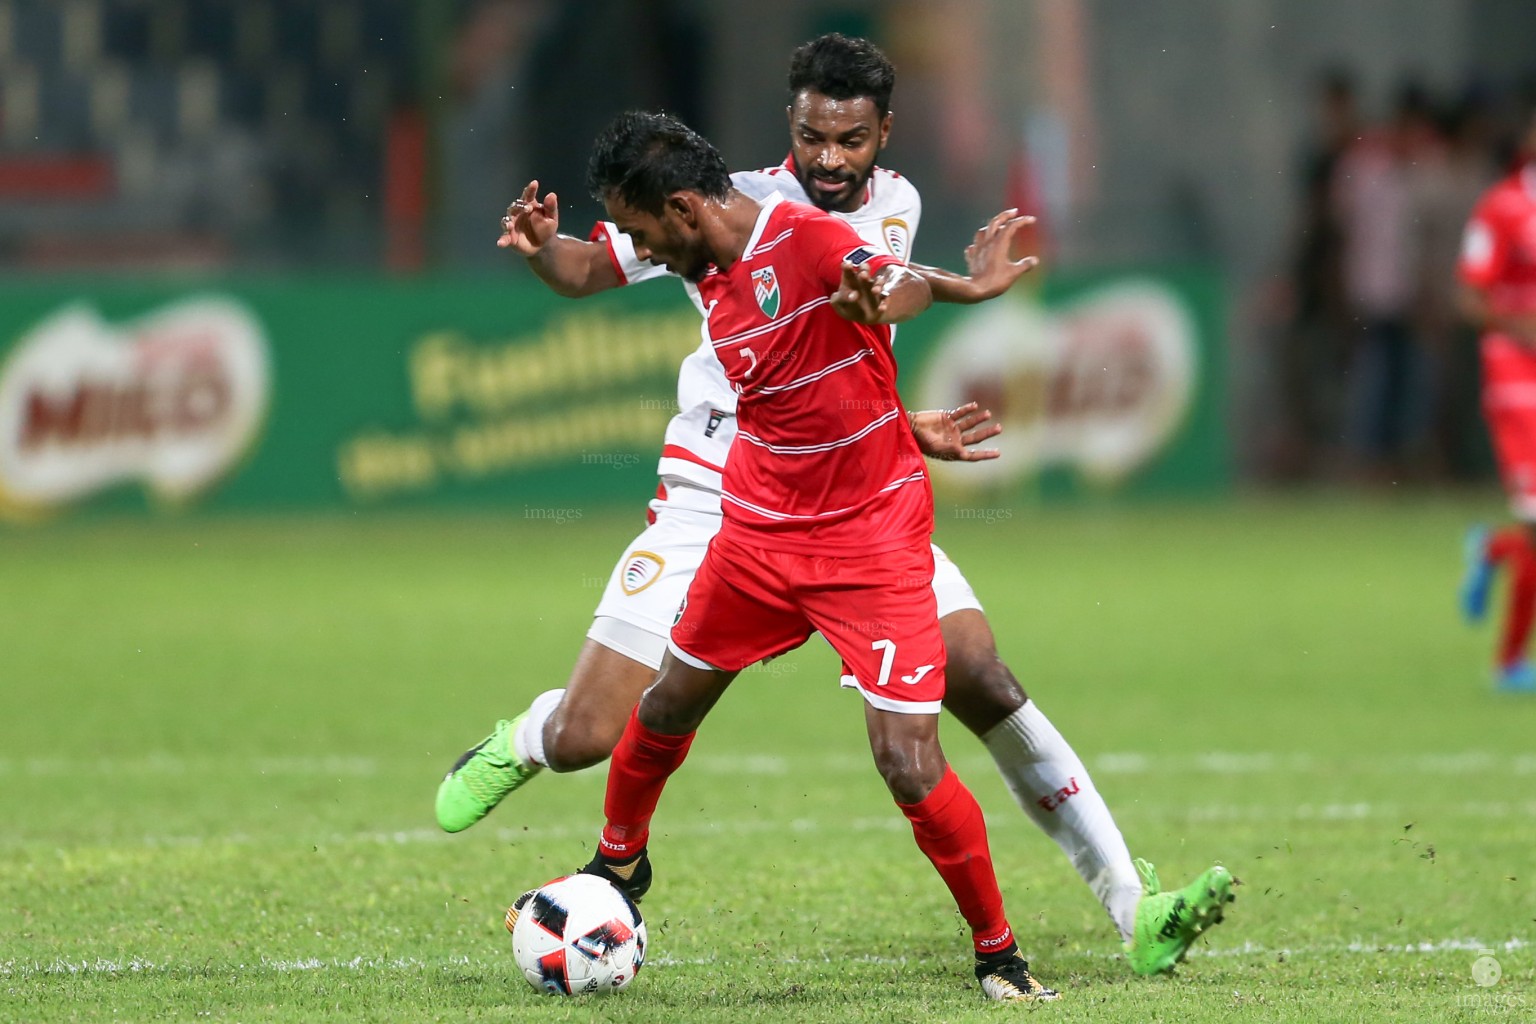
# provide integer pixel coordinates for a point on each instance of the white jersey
(699, 436)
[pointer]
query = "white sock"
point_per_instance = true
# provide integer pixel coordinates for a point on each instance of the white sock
(1050, 783)
(528, 741)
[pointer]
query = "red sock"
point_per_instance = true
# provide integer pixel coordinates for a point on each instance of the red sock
(636, 776)
(948, 826)
(1512, 546)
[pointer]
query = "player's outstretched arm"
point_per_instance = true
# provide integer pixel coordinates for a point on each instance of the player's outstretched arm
(951, 434)
(570, 266)
(891, 295)
(989, 269)
(1477, 309)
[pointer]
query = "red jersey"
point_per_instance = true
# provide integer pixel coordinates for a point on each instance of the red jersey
(824, 460)
(1498, 252)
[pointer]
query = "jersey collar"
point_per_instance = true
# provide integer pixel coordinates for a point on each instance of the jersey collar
(770, 202)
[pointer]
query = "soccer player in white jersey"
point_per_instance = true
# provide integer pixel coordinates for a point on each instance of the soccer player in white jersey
(839, 120)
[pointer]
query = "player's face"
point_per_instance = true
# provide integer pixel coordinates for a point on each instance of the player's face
(672, 239)
(834, 144)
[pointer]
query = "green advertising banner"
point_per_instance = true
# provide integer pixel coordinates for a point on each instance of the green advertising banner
(374, 393)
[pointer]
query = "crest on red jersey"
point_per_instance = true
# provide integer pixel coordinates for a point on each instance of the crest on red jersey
(765, 288)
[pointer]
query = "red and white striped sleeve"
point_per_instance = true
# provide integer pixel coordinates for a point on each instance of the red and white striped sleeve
(621, 252)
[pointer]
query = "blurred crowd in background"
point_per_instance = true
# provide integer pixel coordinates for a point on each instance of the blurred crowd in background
(147, 135)
(386, 136)
(1377, 366)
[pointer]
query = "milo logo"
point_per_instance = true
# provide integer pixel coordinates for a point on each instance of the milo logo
(1101, 384)
(172, 400)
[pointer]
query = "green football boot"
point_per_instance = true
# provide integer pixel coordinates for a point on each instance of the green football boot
(1168, 923)
(484, 775)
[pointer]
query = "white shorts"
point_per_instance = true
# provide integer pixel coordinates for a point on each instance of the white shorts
(647, 586)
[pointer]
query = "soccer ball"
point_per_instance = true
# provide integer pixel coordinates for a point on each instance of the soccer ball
(577, 935)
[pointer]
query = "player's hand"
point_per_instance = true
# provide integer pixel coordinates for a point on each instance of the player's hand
(860, 296)
(950, 434)
(530, 222)
(987, 261)
(1522, 328)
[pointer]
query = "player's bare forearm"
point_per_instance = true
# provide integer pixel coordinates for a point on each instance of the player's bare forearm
(989, 269)
(948, 286)
(574, 268)
(905, 295)
(889, 296)
(569, 266)
(1479, 311)
(1474, 306)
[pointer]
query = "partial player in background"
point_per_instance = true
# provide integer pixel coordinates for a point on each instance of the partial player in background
(1498, 275)
(839, 120)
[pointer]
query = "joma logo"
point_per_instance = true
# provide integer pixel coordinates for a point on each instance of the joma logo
(1175, 920)
(1051, 801)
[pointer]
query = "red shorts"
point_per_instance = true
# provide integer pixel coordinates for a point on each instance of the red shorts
(877, 611)
(1509, 405)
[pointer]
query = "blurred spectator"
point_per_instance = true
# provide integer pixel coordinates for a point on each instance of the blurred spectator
(1445, 181)
(1373, 196)
(486, 126)
(1311, 346)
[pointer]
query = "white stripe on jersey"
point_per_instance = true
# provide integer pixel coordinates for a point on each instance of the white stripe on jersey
(768, 328)
(765, 246)
(768, 513)
(811, 377)
(812, 449)
(919, 475)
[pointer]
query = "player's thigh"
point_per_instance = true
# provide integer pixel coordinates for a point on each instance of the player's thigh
(1513, 431)
(604, 687)
(627, 639)
(878, 613)
(682, 695)
(951, 590)
(738, 611)
(979, 688)
(1509, 382)
(648, 583)
(906, 750)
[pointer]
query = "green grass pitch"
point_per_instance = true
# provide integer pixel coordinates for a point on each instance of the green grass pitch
(220, 739)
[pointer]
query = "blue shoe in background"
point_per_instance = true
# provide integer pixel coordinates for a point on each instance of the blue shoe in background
(1517, 678)
(1477, 580)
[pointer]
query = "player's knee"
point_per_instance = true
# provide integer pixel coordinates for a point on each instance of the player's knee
(981, 691)
(664, 712)
(997, 687)
(910, 771)
(568, 752)
(574, 742)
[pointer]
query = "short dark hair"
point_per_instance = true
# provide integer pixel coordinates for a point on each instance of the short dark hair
(843, 69)
(645, 157)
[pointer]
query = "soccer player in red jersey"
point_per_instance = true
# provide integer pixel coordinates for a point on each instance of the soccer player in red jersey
(1498, 275)
(828, 507)
(839, 120)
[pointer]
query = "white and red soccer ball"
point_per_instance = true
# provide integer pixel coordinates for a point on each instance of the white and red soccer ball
(577, 935)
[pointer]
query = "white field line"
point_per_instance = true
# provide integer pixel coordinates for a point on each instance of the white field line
(894, 822)
(999, 823)
(31, 969)
(1221, 763)
(1464, 764)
